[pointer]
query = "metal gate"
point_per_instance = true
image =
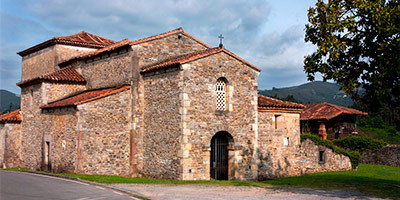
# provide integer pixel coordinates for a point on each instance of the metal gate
(219, 157)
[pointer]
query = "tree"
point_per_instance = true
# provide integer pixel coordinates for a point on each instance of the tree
(358, 45)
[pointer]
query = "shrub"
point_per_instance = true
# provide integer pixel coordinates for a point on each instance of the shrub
(354, 156)
(359, 143)
(371, 122)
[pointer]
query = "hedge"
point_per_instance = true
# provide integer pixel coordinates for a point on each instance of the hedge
(359, 143)
(354, 156)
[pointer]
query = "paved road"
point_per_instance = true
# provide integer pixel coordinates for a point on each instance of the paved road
(17, 186)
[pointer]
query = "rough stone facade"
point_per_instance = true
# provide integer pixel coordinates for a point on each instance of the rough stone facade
(279, 138)
(160, 123)
(387, 155)
(103, 135)
(201, 121)
(10, 145)
(46, 60)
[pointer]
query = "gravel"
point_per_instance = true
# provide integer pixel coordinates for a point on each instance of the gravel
(159, 191)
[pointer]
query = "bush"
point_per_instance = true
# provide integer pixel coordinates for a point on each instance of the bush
(371, 122)
(354, 156)
(359, 143)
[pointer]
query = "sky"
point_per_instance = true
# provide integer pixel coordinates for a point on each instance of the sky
(266, 33)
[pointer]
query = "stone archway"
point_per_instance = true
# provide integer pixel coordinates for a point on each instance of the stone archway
(219, 155)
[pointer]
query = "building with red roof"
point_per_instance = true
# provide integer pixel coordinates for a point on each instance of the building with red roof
(167, 106)
(328, 117)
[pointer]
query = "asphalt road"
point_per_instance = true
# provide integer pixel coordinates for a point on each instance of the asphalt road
(26, 186)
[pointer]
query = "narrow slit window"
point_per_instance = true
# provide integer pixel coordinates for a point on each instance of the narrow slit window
(321, 156)
(276, 122)
(221, 94)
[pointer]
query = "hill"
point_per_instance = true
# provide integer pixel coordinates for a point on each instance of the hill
(8, 98)
(313, 92)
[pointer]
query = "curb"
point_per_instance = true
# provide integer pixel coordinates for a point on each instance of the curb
(136, 196)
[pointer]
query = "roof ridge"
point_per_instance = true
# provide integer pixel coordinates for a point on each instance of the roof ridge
(13, 116)
(98, 51)
(277, 103)
(77, 39)
(59, 75)
(180, 59)
(80, 98)
(165, 34)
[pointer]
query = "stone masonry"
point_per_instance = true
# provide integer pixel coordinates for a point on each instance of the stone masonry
(148, 108)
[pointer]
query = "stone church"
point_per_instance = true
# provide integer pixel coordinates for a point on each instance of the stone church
(168, 106)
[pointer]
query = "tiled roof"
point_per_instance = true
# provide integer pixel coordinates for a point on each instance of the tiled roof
(84, 97)
(326, 111)
(268, 103)
(97, 52)
(81, 39)
(11, 117)
(178, 30)
(65, 75)
(194, 56)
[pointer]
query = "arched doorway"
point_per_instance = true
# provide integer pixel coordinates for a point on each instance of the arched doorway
(219, 165)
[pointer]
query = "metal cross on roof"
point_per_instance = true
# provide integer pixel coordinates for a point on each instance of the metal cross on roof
(220, 40)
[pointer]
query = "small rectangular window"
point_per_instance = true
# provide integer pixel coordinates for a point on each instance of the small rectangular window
(286, 141)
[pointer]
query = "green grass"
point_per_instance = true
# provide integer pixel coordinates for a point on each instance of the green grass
(371, 180)
(375, 180)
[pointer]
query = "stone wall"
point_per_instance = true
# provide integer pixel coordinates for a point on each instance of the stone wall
(201, 121)
(10, 145)
(308, 160)
(278, 138)
(55, 91)
(280, 153)
(66, 52)
(32, 137)
(47, 59)
(38, 63)
(387, 155)
(59, 131)
(160, 49)
(109, 71)
(103, 135)
(162, 130)
(36, 127)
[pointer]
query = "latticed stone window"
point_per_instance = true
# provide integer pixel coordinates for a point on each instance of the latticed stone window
(221, 94)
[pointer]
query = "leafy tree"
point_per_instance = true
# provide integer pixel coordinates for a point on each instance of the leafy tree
(358, 45)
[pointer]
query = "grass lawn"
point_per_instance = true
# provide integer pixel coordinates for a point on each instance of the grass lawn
(375, 180)
(371, 180)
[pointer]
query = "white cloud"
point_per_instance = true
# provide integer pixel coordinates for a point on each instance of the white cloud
(240, 21)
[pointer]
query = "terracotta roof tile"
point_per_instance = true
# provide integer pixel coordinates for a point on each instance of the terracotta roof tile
(326, 111)
(84, 97)
(106, 49)
(11, 117)
(178, 30)
(81, 39)
(65, 75)
(193, 56)
(268, 103)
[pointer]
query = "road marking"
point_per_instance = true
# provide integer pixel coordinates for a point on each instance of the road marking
(53, 177)
(100, 188)
(118, 193)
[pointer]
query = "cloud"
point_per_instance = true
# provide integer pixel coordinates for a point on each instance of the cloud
(240, 21)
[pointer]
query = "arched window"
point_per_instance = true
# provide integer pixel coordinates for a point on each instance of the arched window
(221, 94)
